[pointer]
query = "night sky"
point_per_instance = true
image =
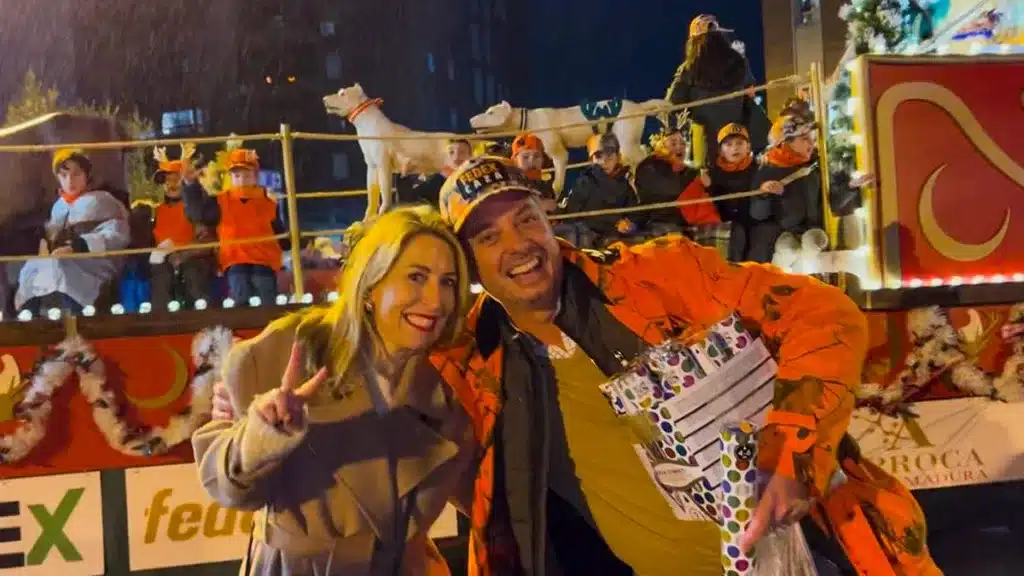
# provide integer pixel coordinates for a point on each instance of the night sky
(594, 49)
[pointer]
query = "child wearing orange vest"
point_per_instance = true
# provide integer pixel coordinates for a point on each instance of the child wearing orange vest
(244, 210)
(183, 275)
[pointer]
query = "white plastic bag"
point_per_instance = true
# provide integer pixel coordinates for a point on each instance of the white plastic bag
(784, 553)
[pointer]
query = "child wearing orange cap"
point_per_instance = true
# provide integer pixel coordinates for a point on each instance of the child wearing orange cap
(528, 155)
(183, 275)
(244, 210)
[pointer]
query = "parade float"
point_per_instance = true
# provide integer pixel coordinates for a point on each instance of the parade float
(95, 412)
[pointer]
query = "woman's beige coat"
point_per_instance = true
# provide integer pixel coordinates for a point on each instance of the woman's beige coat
(324, 493)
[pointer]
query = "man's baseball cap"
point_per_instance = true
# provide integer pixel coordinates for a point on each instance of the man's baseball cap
(475, 181)
(733, 129)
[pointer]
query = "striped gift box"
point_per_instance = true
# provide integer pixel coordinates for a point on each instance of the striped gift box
(689, 393)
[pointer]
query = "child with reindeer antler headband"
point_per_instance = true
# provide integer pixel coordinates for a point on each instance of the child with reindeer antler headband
(664, 176)
(177, 275)
(244, 210)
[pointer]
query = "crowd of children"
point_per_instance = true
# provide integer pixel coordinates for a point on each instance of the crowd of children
(748, 188)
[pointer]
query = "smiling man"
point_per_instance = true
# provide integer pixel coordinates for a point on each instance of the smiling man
(560, 489)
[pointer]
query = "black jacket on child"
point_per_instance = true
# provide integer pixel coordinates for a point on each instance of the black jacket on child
(657, 182)
(798, 208)
(595, 189)
(724, 182)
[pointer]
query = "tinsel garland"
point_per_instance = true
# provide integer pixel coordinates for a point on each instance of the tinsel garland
(940, 352)
(75, 355)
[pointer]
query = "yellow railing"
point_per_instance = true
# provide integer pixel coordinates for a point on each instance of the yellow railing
(287, 139)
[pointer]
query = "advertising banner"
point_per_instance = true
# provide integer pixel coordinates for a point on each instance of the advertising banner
(172, 521)
(52, 525)
(951, 443)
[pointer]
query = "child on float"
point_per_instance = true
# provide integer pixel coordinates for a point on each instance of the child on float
(182, 276)
(419, 189)
(84, 218)
(664, 176)
(529, 156)
(244, 210)
(603, 185)
(798, 207)
(733, 172)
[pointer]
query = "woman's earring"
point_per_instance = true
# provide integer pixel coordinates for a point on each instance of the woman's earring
(368, 305)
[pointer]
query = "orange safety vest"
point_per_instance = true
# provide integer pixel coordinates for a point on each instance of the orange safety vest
(247, 215)
(172, 224)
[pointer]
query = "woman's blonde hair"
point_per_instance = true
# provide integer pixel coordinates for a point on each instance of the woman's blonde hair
(343, 329)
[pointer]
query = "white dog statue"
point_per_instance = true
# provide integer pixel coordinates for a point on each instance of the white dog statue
(423, 154)
(545, 123)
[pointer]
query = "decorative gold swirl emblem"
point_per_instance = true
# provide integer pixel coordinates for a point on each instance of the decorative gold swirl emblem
(950, 103)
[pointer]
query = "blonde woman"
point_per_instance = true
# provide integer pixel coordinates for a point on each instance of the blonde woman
(348, 442)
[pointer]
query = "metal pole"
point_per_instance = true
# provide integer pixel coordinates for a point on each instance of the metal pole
(293, 209)
(821, 116)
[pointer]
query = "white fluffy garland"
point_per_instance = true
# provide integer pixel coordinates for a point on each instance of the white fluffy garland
(75, 355)
(938, 348)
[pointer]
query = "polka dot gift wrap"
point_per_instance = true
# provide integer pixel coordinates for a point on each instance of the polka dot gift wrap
(689, 393)
(738, 494)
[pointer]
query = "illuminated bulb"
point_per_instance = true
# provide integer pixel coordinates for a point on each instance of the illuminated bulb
(281, 299)
(332, 296)
(25, 315)
(1, 316)
(956, 281)
(916, 283)
(851, 105)
(997, 279)
(89, 310)
(255, 301)
(307, 298)
(936, 282)
(117, 309)
(476, 288)
(1018, 277)
(200, 304)
(978, 280)
(173, 306)
(145, 308)
(229, 303)
(53, 313)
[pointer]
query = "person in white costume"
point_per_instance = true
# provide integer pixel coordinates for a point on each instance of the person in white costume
(82, 219)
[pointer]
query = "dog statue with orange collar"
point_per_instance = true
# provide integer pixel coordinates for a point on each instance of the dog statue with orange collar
(422, 153)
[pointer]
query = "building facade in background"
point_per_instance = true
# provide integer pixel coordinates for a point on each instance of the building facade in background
(247, 66)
